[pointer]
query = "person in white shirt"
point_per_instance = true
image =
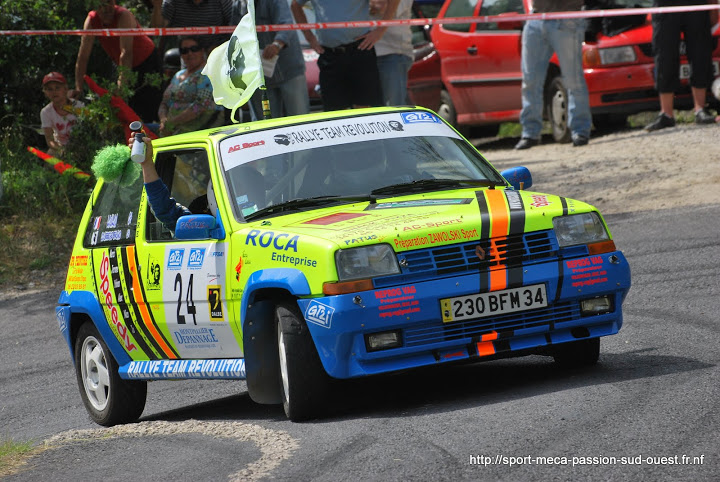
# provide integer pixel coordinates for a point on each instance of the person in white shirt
(58, 117)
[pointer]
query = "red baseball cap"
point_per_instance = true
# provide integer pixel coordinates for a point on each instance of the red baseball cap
(54, 77)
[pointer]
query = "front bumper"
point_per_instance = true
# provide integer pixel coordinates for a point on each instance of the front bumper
(414, 310)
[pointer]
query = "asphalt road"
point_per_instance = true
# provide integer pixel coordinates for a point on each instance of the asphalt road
(647, 411)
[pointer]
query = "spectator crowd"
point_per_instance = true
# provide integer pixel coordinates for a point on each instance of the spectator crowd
(358, 67)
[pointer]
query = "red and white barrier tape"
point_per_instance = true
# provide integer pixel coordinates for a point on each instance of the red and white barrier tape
(128, 32)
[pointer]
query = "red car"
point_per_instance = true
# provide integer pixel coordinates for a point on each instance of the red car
(481, 75)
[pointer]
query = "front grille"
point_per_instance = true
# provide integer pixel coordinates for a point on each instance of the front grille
(439, 332)
(508, 251)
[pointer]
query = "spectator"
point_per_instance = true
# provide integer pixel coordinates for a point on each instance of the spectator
(194, 13)
(137, 54)
(348, 64)
(394, 53)
(286, 87)
(187, 104)
(58, 117)
(695, 26)
(540, 38)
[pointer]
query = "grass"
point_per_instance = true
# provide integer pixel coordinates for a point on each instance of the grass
(35, 251)
(13, 455)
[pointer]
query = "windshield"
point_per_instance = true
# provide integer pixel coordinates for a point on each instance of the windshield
(309, 168)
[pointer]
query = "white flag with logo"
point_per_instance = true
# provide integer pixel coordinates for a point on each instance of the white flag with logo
(234, 68)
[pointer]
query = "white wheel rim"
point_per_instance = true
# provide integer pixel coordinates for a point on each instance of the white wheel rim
(558, 110)
(283, 366)
(95, 373)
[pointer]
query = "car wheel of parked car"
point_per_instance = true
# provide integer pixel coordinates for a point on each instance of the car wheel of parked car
(109, 399)
(446, 110)
(609, 121)
(305, 384)
(577, 353)
(557, 110)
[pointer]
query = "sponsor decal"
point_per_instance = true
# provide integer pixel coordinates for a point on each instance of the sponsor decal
(114, 317)
(111, 235)
(434, 224)
(111, 222)
(294, 260)
(130, 218)
(245, 145)
(155, 369)
(418, 203)
(514, 200)
(435, 238)
(198, 337)
(154, 274)
(334, 218)
(397, 301)
(282, 139)
(96, 224)
(539, 200)
(418, 117)
(238, 269)
(361, 239)
(62, 322)
(196, 258)
(281, 242)
(214, 295)
(587, 271)
(175, 259)
(94, 238)
(319, 314)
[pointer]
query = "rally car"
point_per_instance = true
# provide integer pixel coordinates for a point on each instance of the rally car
(339, 245)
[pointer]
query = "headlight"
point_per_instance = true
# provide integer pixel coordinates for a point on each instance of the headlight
(617, 55)
(585, 228)
(366, 262)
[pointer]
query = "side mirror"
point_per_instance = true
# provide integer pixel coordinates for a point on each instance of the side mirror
(519, 177)
(197, 226)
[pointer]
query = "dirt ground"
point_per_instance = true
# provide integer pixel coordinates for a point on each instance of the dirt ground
(628, 170)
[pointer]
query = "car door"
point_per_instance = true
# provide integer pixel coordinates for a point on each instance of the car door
(481, 62)
(184, 282)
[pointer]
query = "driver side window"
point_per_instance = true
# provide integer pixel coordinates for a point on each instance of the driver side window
(186, 174)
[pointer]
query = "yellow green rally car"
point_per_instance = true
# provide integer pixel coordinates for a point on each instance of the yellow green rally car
(339, 245)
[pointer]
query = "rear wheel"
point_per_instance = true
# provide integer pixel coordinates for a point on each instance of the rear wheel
(557, 109)
(109, 399)
(577, 353)
(305, 385)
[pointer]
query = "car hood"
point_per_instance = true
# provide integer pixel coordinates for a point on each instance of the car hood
(447, 217)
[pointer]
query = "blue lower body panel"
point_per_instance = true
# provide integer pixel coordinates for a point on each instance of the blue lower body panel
(340, 324)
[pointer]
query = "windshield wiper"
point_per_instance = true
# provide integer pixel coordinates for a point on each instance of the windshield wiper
(300, 204)
(423, 185)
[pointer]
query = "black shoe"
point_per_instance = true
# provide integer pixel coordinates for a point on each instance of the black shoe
(526, 143)
(661, 122)
(579, 140)
(704, 117)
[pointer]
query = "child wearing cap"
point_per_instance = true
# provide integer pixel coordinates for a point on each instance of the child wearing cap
(58, 117)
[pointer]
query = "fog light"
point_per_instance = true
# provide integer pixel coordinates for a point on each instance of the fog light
(383, 341)
(596, 306)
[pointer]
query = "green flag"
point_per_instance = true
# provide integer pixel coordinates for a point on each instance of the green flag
(234, 68)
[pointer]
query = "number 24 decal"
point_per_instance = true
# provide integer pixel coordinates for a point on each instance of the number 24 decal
(191, 310)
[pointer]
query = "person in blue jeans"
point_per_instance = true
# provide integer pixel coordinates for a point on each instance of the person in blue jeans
(394, 53)
(540, 38)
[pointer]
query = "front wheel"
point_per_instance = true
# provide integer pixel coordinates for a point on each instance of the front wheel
(109, 399)
(557, 109)
(305, 385)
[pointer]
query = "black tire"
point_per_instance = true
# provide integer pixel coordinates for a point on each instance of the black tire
(556, 101)
(109, 399)
(305, 385)
(577, 353)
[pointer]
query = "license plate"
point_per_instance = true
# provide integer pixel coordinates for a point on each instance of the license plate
(685, 70)
(482, 305)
